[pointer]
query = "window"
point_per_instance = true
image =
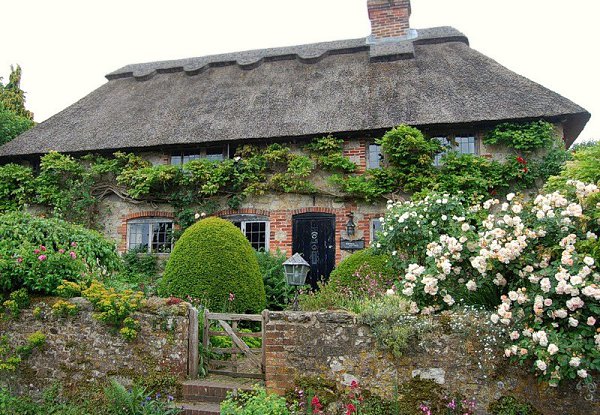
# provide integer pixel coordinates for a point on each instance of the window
(215, 154)
(182, 158)
(152, 235)
(255, 227)
(218, 153)
(374, 157)
(375, 227)
(459, 144)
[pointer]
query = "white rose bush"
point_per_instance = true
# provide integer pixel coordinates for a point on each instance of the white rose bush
(534, 264)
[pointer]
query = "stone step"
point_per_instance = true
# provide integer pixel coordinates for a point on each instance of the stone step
(199, 408)
(215, 391)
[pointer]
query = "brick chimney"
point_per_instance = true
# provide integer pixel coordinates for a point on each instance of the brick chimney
(389, 18)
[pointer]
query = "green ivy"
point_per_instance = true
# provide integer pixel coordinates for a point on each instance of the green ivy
(526, 137)
(72, 188)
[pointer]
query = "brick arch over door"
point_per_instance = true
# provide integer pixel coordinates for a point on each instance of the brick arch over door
(122, 231)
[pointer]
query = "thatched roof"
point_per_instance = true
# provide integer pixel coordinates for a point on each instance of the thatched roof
(346, 86)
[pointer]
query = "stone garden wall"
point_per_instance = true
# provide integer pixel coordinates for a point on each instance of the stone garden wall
(81, 350)
(456, 355)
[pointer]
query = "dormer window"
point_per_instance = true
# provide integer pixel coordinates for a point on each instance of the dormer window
(466, 144)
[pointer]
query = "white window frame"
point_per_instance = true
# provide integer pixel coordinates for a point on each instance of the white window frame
(149, 221)
(245, 219)
(374, 164)
(372, 229)
(452, 145)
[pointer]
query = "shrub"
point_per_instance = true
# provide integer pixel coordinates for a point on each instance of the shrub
(277, 291)
(214, 260)
(584, 167)
(533, 262)
(364, 273)
(525, 137)
(136, 401)
(38, 253)
(255, 402)
(509, 405)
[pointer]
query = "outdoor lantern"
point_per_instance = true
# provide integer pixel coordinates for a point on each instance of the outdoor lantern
(296, 269)
(350, 226)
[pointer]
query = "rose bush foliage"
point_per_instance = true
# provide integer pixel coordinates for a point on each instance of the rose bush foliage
(534, 263)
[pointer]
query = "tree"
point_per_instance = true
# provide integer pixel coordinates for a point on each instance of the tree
(12, 97)
(14, 118)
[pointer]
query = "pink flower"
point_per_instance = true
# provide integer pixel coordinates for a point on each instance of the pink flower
(231, 296)
(19, 260)
(42, 247)
(73, 244)
(36, 251)
(42, 257)
(61, 251)
(73, 254)
(350, 409)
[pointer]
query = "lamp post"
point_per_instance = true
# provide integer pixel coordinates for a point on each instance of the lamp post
(296, 269)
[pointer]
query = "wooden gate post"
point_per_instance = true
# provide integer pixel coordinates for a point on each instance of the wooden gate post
(193, 343)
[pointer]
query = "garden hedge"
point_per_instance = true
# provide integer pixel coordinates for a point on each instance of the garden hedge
(211, 260)
(363, 271)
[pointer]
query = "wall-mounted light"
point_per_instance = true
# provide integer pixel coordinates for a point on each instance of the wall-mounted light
(350, 226)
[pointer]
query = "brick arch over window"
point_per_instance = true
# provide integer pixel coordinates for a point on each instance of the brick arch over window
(122, 231)
(244, 211)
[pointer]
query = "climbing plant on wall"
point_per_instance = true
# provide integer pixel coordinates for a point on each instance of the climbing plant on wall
(71, 188)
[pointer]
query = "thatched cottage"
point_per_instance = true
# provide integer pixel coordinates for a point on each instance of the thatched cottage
(175, 111)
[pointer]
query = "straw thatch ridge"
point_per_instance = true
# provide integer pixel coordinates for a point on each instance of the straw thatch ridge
(334, 87)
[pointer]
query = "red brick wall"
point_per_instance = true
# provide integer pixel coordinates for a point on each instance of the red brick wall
(389, 18)
(281, 221)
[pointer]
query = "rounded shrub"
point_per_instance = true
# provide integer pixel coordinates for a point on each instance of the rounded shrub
(211, 261)
(363, 273)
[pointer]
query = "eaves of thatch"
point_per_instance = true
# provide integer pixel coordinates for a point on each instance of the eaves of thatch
(347, 86)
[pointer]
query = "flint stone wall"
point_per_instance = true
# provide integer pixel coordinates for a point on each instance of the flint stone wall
(81, 350)
(336, 346)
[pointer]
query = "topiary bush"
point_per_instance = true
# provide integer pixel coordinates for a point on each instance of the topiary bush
(364, 273)
(211, 261)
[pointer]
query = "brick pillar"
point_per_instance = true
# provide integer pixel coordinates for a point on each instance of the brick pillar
(279, 375)
(389, 18)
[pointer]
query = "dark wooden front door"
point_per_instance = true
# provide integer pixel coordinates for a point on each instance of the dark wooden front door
(314, 238)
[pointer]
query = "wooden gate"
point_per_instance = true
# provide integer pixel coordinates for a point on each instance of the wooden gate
(242, 361)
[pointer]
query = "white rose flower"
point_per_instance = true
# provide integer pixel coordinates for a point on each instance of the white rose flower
(510, 196)
(562, 313)
(494, 318)
(517, 209)
(448, 300)
(541, 365)
(573, 322)
(574, 362)
(589, 261)
(471, 285)
(591, 321)
(582, 373)
(465, 227)
(552, 349)
(514, 335)
(390, 292)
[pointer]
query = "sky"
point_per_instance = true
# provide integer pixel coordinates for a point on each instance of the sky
(65, 47)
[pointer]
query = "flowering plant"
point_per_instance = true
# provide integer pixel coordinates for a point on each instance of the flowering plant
(534, 262)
